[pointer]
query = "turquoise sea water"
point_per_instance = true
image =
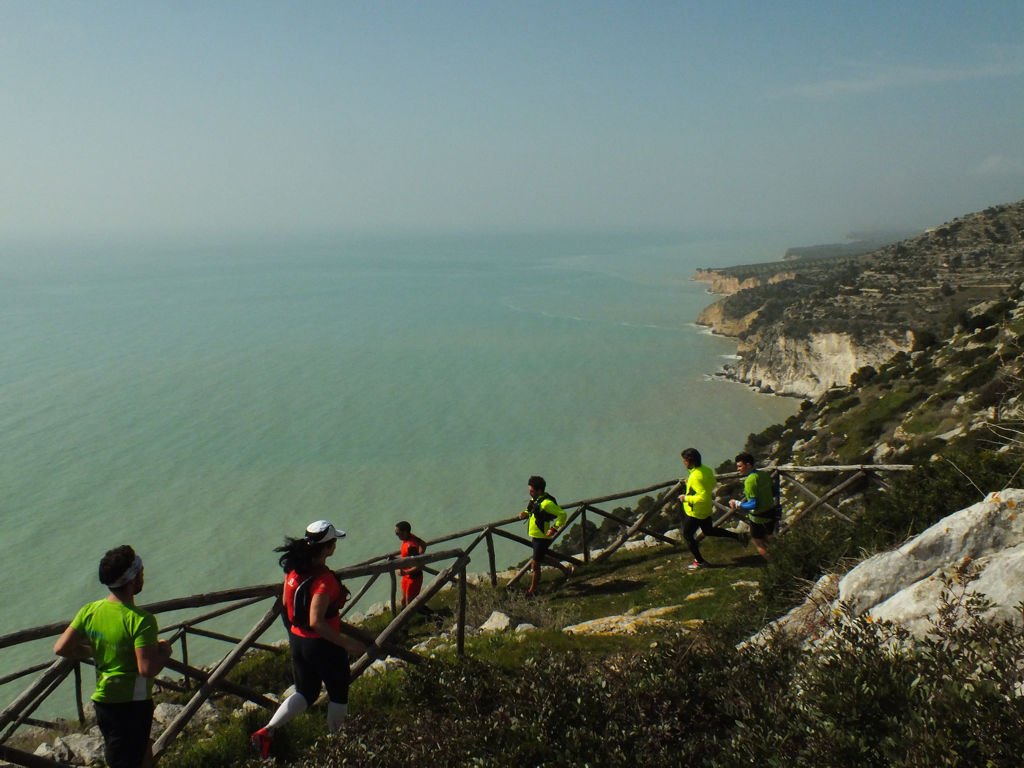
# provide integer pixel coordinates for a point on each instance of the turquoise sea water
(202, 401)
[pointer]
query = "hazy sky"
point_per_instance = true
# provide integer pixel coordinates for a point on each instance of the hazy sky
(257, 117)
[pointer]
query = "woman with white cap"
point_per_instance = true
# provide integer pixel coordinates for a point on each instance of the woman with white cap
(312, 599)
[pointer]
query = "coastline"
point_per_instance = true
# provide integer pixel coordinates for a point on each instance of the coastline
(726, 372)
(306, 407)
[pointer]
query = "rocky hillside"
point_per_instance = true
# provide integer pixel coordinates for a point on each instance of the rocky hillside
(963, 389)
(807, 325)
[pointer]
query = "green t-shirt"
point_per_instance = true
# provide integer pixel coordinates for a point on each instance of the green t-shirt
(758, 486)
(115, 630)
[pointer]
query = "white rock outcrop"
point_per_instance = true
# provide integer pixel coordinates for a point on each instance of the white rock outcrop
(496, 622)
(904, 585)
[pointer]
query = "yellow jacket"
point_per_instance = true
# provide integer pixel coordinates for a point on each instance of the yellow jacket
(697, 499)
(548, 505)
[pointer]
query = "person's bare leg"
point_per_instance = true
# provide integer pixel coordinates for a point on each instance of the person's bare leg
(762, 547)
(534, 578)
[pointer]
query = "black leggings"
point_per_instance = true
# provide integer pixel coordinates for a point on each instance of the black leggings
(315, 660)
(690, 527)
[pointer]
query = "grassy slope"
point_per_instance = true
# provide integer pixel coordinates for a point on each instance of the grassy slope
(630, 582)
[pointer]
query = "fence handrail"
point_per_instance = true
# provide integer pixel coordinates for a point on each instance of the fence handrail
(20, 710)
(228, 595)
(387, 562)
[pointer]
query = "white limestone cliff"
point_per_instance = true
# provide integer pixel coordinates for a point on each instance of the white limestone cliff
(904, 585)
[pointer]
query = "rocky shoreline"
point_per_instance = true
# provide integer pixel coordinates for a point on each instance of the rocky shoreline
(804, 326)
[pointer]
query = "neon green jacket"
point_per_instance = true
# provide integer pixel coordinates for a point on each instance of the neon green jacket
(697, 499)
(549, 506)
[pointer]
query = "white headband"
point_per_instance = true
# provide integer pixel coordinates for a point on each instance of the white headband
(129, 575)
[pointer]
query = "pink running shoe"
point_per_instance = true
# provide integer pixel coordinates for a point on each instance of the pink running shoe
(696, 565)
(260, 743)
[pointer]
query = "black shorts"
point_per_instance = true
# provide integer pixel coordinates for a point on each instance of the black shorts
(540, 548)
(761, 530)
(316, 661)
(125, 728)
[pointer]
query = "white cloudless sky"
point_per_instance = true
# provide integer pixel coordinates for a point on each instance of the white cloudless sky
(218, 117)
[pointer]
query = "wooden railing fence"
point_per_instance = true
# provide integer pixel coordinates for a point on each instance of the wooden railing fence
(203, 683)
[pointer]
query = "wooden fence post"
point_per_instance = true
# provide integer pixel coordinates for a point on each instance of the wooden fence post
(78, 694)
(671, 494)
(206, 689)
(57, 671)
(363, 590)
(184, 657)
(44, 687)
(396, 623)
(586, 537)
(491, 563)
(823, 500)
(460, 627)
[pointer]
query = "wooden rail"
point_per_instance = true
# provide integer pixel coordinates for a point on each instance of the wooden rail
(207, 683)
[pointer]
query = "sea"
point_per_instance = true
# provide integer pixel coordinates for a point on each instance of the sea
(203, 400)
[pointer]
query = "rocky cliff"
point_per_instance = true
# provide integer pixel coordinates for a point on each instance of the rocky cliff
(808, 366)
(804, 327)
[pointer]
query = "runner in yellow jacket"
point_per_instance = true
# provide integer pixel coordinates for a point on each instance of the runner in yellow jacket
(698, 506)
(546, 519)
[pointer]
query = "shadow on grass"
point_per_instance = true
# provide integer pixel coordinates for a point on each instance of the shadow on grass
(610, 587)
(749, 561)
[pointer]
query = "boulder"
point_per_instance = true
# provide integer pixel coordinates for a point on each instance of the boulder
(987, 532)
(165, 712)
(74, 748)
(905, 585)
(496, 622)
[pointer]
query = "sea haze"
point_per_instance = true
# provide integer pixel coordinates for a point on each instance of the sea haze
(200, 402)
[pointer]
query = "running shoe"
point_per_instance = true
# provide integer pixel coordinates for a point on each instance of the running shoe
(260, 743)
(696, 565)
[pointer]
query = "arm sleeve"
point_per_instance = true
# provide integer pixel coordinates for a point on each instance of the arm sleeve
(327, 584)
(553, 509)
(749, 492)
(78, 622)
(146, 633)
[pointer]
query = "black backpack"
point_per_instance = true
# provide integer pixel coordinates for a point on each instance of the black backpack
(302, 602)
(538, 514)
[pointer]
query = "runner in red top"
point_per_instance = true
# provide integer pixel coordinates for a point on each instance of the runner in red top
(412, 545)
(312, 598)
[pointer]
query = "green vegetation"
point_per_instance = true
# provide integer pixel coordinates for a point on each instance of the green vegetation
(669, 696)
(865, 425)
(690, 690)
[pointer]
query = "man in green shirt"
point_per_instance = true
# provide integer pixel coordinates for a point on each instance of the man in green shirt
(698, 504)
(122, 639)
(758, 502)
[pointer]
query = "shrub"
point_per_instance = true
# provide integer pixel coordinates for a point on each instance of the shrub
(867, 694)
(870, 694)
(863, 375)
(921, 498)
